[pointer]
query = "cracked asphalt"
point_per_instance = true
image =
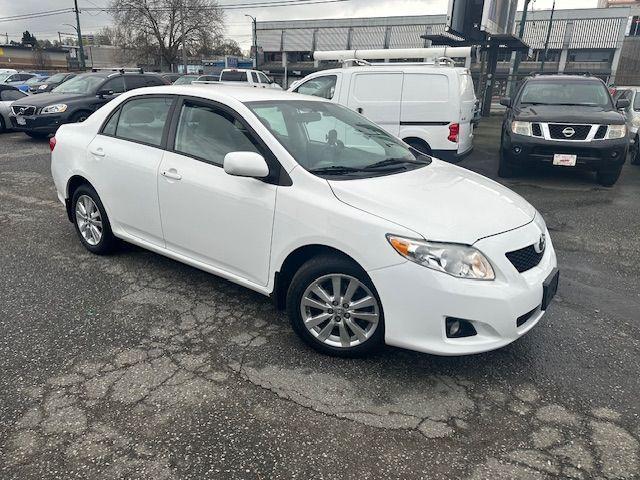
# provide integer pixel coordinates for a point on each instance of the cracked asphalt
(134, 366)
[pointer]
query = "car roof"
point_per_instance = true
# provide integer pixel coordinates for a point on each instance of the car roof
(221, 92)
(573, 78)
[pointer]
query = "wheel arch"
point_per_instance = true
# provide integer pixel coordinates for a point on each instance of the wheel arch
(418, 141)
(72, 184)
(294, 261)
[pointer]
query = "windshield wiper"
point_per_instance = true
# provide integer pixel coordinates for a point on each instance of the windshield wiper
(394, 162)
(336, 170)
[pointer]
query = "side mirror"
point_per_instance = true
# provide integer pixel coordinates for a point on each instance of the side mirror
(505, 101)
(622, 103)
(104, 93)
(245, 164)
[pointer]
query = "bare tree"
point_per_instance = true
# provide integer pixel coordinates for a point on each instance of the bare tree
(149, 27)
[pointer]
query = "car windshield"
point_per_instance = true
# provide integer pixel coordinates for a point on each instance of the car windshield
(80, 84)
(186, 80)
(4, 76)
(33, 80)
(330, 140)
(593, 93)
(58, 77)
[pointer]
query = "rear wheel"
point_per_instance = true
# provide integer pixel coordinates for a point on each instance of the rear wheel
(608, 178)
(419, 145)
(333, 306)
(91, 221)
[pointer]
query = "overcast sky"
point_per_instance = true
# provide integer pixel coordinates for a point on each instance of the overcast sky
(238, 26)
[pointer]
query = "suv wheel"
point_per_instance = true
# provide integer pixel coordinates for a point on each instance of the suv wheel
(91, 221)
(334, 308)
(505, 169)
(79, 117)
(608, 178)
(635, 152)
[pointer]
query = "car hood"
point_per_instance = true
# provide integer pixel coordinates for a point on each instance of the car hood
(441, 202)
(45, 99)
(567, 114)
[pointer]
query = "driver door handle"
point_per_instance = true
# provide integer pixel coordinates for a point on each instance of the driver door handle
(172, 174)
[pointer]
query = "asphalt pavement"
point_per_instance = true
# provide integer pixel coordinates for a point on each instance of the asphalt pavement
(134, 366)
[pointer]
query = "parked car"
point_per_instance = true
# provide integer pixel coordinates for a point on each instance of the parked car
(208, 78)
(41, 115)
(430, 107)
(186, 79)
(16, 79)
(564, 121)
(632, 117)
(27, 84)
(8, 95)
(248, 78)
(46, 85)
(7, 70)
(171, 77)
(368, 242)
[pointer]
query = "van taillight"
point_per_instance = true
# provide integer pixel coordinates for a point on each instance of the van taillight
(52, 143)
(454, 130)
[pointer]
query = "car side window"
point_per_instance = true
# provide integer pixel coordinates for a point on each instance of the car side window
(115, 84)
(11, 95)
(210, 133)
(263, 78)
(110, 127)
(254, 77)
(323, 87)
(142, 120)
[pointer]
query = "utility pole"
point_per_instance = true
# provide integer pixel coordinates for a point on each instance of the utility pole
(60, 38)
(516, 61)
(80, 47)
(546, 43)
(184, 41)
(255, 40)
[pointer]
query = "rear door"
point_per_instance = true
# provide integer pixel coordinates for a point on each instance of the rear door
(377, 96)
(467, 110)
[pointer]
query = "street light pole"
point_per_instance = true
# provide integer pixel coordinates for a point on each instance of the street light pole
(516, 62)
(255, 40)
(184, 41)
(546, 43)
(80, 47)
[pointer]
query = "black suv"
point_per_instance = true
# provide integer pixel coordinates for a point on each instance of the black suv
(73, 101)
(564, 121)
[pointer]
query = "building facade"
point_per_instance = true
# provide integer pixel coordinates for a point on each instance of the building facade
(581, 40)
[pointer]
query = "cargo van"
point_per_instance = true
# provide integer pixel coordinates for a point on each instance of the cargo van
(428, 105)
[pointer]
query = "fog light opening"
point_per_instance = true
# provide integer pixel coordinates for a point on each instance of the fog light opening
(517, 150)
(459, 328)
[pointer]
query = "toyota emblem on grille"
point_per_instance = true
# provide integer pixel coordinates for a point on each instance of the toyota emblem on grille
(568, 132)
(542, 243)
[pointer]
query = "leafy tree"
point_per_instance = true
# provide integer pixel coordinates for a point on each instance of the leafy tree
(28, 40)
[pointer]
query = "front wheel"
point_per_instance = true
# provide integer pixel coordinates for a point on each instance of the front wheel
(333, 306)
(635, 153)
(91, 221)
(608, 178)
(505, 169)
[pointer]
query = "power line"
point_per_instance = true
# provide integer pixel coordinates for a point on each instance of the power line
(235, 6)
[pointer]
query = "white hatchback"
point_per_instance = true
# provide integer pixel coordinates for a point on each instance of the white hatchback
(364, 240)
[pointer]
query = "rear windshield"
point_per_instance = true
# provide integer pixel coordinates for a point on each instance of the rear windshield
(233, 76)
(554, 92)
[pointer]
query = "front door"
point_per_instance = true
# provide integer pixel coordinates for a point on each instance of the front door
(208, 215)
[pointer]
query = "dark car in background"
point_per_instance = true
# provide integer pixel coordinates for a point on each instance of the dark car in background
(50, 83)
(40, 115)
(564, 121)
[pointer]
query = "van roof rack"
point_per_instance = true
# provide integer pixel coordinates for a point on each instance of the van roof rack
(120, 70)
(437, 62)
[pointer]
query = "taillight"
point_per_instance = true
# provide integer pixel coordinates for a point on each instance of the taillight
(454, 130)
(52, 143)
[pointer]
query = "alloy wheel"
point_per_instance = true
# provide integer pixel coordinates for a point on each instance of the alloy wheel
(89, 220)
(340, 311)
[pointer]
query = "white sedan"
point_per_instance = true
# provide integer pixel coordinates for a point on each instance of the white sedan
(363, 240)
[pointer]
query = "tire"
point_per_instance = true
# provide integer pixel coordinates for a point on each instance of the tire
(419, 145)
(505, 169)
(37, 136)
(84, 204)
(635, 153)
(79, 117)
(608, 178)
(2, 125)
(354, 331)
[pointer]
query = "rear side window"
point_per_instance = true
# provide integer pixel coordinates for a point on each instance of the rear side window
(233, 76)
(142, 120)
(116, 85)
(210, 133)
(323, 87)
(140, 81)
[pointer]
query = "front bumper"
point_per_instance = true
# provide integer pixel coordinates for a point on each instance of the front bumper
(593, 155)
(417, 300)
(44, 124)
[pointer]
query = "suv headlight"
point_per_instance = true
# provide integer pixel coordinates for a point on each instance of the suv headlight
(57, 108)
(521, 128)
(616, 131)
(460, 261)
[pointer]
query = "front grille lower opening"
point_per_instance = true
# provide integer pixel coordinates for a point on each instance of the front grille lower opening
(525, 259)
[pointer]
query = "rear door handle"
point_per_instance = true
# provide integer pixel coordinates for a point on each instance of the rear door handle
(172, 174)
(98, 152)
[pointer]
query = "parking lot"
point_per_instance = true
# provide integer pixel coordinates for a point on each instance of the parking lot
(136, 366)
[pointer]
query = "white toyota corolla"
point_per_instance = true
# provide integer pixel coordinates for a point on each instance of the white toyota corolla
(362, 239)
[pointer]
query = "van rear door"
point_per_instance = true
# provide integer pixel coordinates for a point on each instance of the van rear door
(377, 95)
(467, 106)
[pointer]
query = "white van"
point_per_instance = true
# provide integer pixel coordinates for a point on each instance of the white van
(249, 78)
(429, 106)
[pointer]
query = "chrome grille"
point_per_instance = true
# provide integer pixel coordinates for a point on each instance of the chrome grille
(563, 131)
(23, 109)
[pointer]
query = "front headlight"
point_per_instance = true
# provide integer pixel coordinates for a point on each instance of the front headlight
(57, 108)
(457, 260)
(616, 131)
(42, 87)
(521, 128)
(635, 121)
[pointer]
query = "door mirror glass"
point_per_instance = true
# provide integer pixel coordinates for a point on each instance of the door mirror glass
(246, 164)
(505, 101)
(104, 92)
(622, 103)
